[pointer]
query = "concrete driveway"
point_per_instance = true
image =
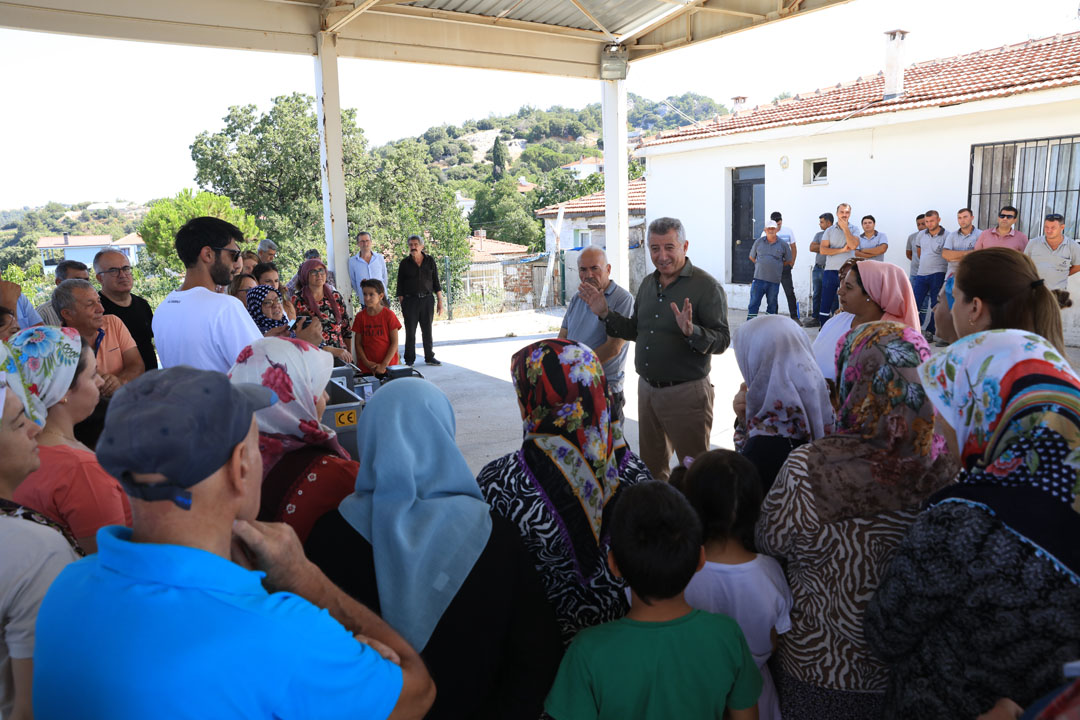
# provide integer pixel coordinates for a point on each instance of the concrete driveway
(475, 375)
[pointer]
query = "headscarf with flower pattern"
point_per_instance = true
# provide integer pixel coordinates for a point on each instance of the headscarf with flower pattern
(255, 298)
(569, 443)
(884, 454)
(786, 394)
(47, 357)
(11, 380)
(1014, 404)
(298, 372)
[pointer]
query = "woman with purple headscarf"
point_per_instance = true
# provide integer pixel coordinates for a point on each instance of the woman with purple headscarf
(318, 298)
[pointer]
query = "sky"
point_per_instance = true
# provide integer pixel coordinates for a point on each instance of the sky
(99, 120)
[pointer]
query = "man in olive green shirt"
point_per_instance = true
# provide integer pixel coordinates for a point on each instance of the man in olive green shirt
(679, 321)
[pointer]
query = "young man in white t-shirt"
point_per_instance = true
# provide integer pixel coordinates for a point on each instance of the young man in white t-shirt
(195, 325)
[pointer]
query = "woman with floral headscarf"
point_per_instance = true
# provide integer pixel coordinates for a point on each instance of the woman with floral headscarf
(561, 485)
(784, 399)
(316, 297)
(305, 470)
(838, 509)
(70, 486)
(982, 600)
(34, 548)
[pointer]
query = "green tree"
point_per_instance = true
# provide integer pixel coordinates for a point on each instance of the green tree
(506, 214)
(159, 226)
(500, 158)
(269, 165)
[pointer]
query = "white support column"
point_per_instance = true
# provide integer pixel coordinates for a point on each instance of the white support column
(616, 199)
(332, 162)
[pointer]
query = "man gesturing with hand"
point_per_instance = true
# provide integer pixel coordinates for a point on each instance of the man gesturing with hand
(679, 321)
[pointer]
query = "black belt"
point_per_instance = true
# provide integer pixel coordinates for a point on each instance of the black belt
(666, 383)
(418, 295)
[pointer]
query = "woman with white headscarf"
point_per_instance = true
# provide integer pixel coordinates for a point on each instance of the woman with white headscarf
(305, 470)
(417, 543)
(784, 401)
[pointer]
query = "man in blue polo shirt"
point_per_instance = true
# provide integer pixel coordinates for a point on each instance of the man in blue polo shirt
(768, 255)
(165, 621)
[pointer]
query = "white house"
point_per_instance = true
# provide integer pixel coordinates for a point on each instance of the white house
(83, 248)
(583, 218)
(583, 223)
(585, 166)
(991, 128)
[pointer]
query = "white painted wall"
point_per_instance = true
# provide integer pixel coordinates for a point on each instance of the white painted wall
(894, 167)
(86, 255)
(566, 237)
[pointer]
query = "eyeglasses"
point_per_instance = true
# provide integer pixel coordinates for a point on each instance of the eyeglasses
(271, 302)
(122, 270)
(318, 271)
(1058, 217)
(235, 253)
(1006, 216)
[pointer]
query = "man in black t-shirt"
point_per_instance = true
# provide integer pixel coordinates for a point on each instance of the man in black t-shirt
(417, 289)
(113, 270)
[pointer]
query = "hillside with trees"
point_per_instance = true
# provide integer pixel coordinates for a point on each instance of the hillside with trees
(264, 167)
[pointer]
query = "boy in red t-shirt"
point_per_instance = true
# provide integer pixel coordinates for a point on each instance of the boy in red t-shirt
(375, 330)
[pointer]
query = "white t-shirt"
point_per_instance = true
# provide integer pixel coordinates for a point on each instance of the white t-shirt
(756, 595)
(33, 556)
(826, 341)
(202, 329)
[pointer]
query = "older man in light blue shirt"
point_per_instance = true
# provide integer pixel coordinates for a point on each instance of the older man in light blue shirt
(367, 264)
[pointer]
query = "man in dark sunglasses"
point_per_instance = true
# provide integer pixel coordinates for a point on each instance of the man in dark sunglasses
(1056, 255)
(1004, 235)
(196, 325)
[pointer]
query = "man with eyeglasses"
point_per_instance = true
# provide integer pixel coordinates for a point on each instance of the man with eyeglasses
(195, 325)
(1004, 235)
(1055, 255)
(113, 271)
(66, 270)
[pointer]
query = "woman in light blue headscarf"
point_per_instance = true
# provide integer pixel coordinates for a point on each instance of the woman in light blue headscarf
(417, 543)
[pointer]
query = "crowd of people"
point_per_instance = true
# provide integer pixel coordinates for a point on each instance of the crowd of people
(894, 534)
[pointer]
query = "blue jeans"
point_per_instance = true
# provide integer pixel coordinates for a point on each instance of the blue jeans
(924, 285)
(759, 289)
(815, 304)
(830, 283)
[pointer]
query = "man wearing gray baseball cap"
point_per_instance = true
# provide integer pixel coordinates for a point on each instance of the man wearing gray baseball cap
(199, 610)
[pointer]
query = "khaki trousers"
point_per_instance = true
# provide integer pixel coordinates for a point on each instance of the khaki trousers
(677, 417)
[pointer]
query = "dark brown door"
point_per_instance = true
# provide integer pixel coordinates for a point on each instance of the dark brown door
(747, 219)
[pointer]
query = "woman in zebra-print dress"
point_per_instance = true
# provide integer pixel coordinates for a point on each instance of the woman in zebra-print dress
(836, 513)
(560, 487)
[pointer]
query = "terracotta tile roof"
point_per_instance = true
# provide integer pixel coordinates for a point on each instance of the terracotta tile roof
(1009, 70)
(594, 204)
(57, 241)
(488, 250)
(591, 160)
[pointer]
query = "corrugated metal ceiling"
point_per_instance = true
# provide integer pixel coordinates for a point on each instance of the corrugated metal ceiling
(617, 16)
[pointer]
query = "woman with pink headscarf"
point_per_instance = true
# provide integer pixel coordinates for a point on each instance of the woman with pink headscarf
(868, 293)
(316, 297)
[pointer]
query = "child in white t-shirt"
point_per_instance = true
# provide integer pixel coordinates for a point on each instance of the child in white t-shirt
(724, 490)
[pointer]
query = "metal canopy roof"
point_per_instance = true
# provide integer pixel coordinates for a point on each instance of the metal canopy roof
(555, 37)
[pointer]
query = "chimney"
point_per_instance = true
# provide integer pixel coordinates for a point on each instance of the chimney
(738, 103)
(894, 63)
(67, 238)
